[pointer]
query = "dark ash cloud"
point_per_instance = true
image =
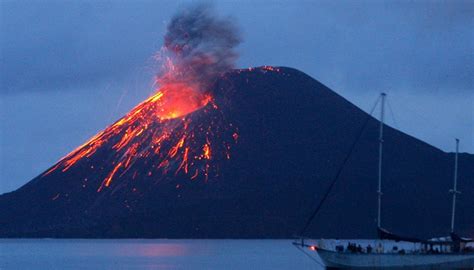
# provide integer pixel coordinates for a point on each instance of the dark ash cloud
(199, 46)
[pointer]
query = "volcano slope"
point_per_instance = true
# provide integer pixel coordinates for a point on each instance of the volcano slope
(253, 163)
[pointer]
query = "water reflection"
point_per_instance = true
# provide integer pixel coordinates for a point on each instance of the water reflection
(153, 250)
(151, 254)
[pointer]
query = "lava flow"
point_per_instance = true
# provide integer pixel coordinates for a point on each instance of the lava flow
(161, 131)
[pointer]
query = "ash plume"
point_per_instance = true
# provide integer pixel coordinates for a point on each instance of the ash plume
(199, 46)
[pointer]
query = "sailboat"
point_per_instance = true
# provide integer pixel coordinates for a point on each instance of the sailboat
(391, 251)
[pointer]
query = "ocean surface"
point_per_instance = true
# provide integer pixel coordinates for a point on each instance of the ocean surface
(152, 254)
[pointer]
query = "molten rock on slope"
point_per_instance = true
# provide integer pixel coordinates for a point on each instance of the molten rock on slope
(251, 161)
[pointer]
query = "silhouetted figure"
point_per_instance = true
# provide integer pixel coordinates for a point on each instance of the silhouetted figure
(352, 247)
(369, 249)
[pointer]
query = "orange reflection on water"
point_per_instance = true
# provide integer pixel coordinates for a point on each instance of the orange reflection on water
(154, 250)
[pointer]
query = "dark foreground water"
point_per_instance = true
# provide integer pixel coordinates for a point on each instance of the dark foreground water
(152, 254)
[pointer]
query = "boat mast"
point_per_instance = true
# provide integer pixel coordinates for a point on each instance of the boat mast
(454, 191)
(379, 190)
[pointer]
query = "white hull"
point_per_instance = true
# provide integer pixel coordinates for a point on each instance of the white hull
(334, 259)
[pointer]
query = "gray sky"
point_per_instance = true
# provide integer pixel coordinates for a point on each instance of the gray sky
(68, 69)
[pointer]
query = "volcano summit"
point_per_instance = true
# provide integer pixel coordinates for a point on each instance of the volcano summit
(249, 161)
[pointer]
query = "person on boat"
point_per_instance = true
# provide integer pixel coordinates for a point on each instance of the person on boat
(349, 247)
(379, 248)
(352, 247)
(369, 249)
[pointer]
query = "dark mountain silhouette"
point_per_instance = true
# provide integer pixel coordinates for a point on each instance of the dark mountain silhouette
(287, 135)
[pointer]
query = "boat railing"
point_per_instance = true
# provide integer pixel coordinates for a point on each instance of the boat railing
(388, 247)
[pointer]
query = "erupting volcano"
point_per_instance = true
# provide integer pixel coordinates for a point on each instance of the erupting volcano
(198, 48)
(218, 152)
(250, 160)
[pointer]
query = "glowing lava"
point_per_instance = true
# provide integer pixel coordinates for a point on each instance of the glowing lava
(178, 99)
(160, 131)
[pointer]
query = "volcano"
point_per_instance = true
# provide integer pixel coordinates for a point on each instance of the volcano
(250, 161)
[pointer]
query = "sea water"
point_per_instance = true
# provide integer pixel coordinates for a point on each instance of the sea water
(152, 254)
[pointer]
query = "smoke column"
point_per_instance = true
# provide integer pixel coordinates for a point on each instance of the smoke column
(199, 46)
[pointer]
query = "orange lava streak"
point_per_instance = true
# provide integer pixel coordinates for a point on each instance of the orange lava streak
(129, 135)
(195, 174)
(184, 163)
(111, 175)
(78, 153)
(207, 151)
(175, 148)
(131, 153)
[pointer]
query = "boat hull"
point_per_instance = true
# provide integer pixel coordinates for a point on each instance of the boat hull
(337, 260)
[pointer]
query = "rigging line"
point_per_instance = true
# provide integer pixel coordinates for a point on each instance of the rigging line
(392, 114)
(328, 191)
(309, 256)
